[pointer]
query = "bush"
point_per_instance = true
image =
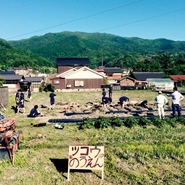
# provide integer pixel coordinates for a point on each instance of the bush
(1, 81)
(143, 121)
(130, 122)
(49, 87)
(116, 122)
(40, 89)
(87, 123)
(158, 122)
(102, 122)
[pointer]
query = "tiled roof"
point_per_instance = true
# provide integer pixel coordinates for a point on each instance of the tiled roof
(73, 62)
(18, 78)
(75, 70)
(127, 77)
(99, 70)
(33, 79)
(7, 73)
(177, 77)
(113, 70)
(11, 77)
(144, 75)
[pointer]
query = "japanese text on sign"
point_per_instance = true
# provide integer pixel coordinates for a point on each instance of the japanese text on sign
(86, 157)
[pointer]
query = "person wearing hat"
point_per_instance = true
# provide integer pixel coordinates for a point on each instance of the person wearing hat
(161, 101)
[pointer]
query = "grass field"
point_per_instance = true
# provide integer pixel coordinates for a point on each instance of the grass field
(137, 155)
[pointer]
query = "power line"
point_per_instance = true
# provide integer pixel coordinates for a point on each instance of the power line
(78, 19)
(141, 20)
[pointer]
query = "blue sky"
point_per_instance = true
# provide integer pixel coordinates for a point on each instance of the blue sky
(147, 19)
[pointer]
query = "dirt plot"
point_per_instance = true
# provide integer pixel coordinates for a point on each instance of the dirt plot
(88, 104)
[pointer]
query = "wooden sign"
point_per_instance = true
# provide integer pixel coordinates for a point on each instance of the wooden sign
(86, 158)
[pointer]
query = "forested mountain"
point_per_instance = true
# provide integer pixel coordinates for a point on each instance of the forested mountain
(11, 56)
(136, 53)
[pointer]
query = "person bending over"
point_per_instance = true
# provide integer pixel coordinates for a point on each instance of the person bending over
(123, 100)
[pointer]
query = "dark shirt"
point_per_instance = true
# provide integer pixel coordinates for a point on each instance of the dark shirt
(29, 93)
(52, 98)
(34, 113)
(110, 89)
(105, 100)
(144, 104)
(103, 94)
(19, 100)
(123, 98)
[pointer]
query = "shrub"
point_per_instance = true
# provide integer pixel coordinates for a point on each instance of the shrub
(116, 122)
(1, 81)
(87, 123)
(143, 121)
(40, 89)
(130, 122)
(158, 122)
(49, 87)
(102, 122)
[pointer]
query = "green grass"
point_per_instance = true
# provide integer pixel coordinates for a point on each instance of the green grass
(154, 154)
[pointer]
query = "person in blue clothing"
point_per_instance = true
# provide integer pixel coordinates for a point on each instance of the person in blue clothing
(110, 91)
(34, 112)
(19, 98)
(122, 101)
(52, 99)
(103, 94)
(29, 94)
(105, 101)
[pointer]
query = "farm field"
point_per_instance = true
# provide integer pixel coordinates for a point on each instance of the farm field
(135, 153)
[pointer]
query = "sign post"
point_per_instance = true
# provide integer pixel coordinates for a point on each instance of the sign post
(86, 158)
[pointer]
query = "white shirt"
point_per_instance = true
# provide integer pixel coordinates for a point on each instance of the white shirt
(176, 97)
(160, 99)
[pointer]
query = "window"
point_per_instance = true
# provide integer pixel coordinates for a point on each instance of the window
(79, 83)
(56, 82)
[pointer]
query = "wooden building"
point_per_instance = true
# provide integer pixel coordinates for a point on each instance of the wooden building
(64, 64)
(78, 78)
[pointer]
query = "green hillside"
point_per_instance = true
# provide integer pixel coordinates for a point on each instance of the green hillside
(115, 50)
(11, 56)
(135, 53)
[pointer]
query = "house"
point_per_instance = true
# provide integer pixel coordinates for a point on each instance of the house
(178, 80)
(14, 82)
(78, 78)
(113, 74)
(141, 78)
(22, 70)
(127, 82)
(64, 64)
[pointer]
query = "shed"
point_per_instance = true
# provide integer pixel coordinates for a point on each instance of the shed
(162, 84)
(142, 76)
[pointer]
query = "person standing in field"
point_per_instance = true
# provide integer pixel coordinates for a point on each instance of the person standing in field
(176, 98)
(161, 101)
(103, 94)
(29, 94)
(110, 91)
(52, 99)
(19, 97)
